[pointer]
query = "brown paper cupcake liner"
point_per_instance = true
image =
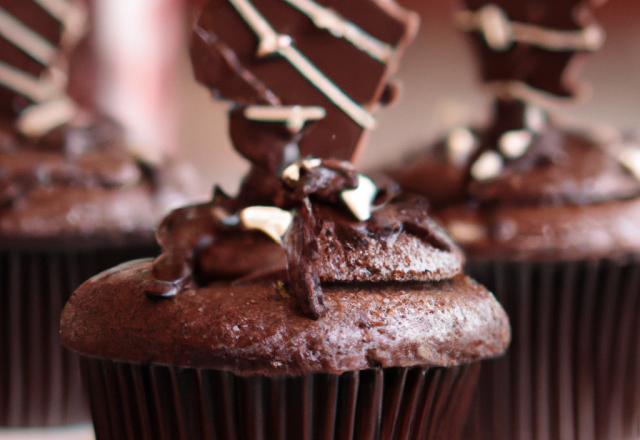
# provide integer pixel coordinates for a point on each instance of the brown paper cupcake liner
(40, 382)
(150, 402)
(573, 368)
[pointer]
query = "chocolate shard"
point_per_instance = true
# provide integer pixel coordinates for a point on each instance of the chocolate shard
(304, 75)
(539, 62)
(302, 256)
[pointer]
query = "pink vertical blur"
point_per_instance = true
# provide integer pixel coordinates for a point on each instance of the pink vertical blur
(139, 42)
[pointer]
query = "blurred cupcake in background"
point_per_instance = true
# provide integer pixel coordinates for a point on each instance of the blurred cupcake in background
(548, 216)
(73, 201)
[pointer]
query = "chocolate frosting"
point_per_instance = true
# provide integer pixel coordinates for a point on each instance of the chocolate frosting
(258, 329)
(324, 242)
(79, 187)
(576, 170)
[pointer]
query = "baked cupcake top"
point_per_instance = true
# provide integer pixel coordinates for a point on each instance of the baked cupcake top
(311, 267)
(65, 172)
(525, 187)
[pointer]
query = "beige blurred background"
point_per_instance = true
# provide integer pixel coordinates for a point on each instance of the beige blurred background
(440, 90)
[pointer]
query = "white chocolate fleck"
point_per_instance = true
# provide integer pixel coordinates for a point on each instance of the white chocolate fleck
(359, 200)
(325, 18)
(514, 143)
(465, 232)
(271, 220)
(487, 166)
(294, 116)
(38, 120)
(535, 118)
(292, 172)
(629, 157)
(311, 163)
(500, 33)
(461, 143)
(272, 42)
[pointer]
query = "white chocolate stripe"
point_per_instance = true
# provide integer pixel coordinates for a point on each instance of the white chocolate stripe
(272, 42)
(59, 9)
(522, 91)
(16, 32)
(294, 116)
(72, 16)
(25, 84)
(325, 18)
(499, 32)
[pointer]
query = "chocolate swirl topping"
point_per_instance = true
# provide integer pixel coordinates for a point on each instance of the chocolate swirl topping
(323, 240)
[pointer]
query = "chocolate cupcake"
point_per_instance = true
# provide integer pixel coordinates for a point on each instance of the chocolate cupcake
(313, 304)
(547, 216)
(352, 329)
(73, 202)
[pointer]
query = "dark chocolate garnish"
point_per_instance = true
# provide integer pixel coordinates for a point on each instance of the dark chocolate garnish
(334, 76)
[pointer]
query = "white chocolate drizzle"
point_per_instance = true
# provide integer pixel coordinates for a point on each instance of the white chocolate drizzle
(500, 33)
(325, 18)
(359, 200)
(271, 220)
(33, 88)
(73, 18)
(271, 42)
(20, 35)
(294, 116)
(489, 165)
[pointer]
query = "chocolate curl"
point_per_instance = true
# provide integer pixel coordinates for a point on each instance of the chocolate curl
(302, 253)
(181, 234)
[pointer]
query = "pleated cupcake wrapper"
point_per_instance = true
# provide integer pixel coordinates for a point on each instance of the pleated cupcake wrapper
(40, 382)
(151, 402)
(573, 368)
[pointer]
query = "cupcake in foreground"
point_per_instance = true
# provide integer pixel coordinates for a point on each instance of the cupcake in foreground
(73, 202)
(548, 217)
(312, 305)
